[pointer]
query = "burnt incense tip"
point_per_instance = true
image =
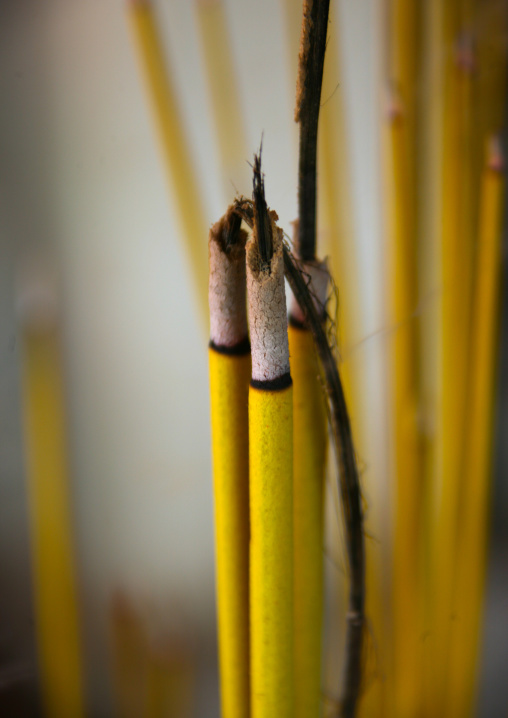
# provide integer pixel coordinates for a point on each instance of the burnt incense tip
(262, 222)
(226, 286)
(231, 233)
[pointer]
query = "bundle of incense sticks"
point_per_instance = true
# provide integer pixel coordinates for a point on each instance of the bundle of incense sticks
(273, 382)
(443, 164)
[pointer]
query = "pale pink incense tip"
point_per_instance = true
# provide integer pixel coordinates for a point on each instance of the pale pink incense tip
(226, 288)
(465, 52)
(267, 311)
(318, 279)
(394, 105)
(495, 154)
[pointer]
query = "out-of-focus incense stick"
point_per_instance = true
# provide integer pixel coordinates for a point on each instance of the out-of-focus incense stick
(56, 600)
(349, 489)
(230, 370)
(177, 156)
(472, 542)
(407, 608)
(271, 470)
(401, 187)
(310, 442)
(223, 88)
(455, 273)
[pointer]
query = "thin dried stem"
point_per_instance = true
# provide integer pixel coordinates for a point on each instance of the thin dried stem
(308, 99)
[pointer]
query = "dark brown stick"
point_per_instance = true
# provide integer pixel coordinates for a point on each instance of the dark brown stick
(308, 99)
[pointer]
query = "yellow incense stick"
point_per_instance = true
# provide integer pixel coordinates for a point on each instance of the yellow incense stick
(230, 370)
(223, 90)
(229, 387)
(271, 470)
(271, 554)
(310, 440)
(455, 262)
(177, 156)
(407, 607)
(430, 198)
(56, 608)
(472, 542)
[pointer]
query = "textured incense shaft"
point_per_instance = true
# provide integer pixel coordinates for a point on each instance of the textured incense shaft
(230, 365)
(267, 311)
(271, 552)
(271, 479)
(226, 289)
(229, 391)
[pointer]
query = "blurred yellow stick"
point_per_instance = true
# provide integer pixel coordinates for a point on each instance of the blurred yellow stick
(406, 691)
(177, 156)
(407, 576)
(470, 585)
(56, 602)
(309, 436)
(309, 459)
(455, 276)
(220, 68)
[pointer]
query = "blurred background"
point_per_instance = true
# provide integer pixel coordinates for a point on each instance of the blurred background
(91, 246)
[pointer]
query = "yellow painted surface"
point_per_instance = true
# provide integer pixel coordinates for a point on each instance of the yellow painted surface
(56, 607)
(176, 153)
(407, 617)
(472, 543)
(309, 457)
(271, 552)
(229, 391)
(455, 263)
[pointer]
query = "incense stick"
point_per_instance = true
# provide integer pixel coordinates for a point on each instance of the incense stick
(230, 368)
(347, 471)
(222, 84)
(176, 153)
(470, 583)
(56, 601)
(271, 469)
(406, 439)
(310, 444)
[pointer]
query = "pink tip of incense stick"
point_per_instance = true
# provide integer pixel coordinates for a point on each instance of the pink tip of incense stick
(495, 155)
